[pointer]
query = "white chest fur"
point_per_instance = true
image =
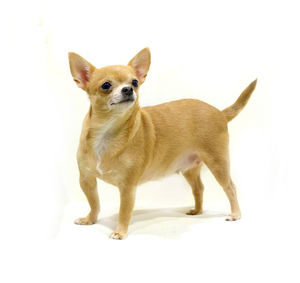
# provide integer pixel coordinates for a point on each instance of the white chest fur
(101, 142)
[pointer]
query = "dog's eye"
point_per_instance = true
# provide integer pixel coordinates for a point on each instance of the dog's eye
(106, 85)
(135, 83)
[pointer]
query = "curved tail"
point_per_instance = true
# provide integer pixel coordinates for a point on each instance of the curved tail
(233, 110)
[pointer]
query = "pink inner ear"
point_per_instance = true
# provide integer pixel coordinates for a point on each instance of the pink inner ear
(140, 72)
(84, 75)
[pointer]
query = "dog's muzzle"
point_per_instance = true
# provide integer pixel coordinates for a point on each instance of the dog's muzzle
(127, 95)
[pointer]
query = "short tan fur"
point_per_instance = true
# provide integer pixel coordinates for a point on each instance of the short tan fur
(125, 145)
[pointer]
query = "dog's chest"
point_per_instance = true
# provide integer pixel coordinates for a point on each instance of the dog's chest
(111, 170)
(106, 165)
(103, 167)
(100, 149)
(102, 138)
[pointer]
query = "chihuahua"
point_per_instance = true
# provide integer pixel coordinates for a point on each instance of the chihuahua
(126, 145)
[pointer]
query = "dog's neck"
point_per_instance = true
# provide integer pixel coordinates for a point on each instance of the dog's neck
(105, 128)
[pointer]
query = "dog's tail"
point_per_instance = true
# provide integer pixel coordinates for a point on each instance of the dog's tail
(233, 110)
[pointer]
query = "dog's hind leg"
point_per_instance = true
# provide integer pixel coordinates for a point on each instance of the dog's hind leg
(216, 158)
(218, 163)
(193, 178)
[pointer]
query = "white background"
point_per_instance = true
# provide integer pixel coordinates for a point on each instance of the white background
(210, 50)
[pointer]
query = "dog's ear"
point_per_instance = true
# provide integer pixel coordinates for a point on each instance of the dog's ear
(141, 63)
(81, 70)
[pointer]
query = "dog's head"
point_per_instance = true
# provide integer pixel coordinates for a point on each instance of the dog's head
(113, 89)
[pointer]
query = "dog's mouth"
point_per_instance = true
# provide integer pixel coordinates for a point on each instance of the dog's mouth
(127, 100)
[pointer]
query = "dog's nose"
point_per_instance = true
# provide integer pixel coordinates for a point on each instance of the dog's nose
(127, 91)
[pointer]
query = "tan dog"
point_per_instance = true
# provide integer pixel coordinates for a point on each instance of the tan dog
(126, 145)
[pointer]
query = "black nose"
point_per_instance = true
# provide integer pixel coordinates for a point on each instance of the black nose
(127, 91)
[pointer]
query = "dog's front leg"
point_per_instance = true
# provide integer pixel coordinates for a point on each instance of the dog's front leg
(127, 199)
(88, 185)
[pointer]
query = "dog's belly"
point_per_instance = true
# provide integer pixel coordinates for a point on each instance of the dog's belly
(184, 162)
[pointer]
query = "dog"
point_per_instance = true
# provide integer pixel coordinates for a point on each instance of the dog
(126, 145)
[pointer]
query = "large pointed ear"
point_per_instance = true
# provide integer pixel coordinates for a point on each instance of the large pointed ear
(141, 63)
(81, 70)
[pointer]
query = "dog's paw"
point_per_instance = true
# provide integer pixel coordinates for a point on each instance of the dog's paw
(117, 236)
(85, 221)
(233, 217)
(194, 212)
